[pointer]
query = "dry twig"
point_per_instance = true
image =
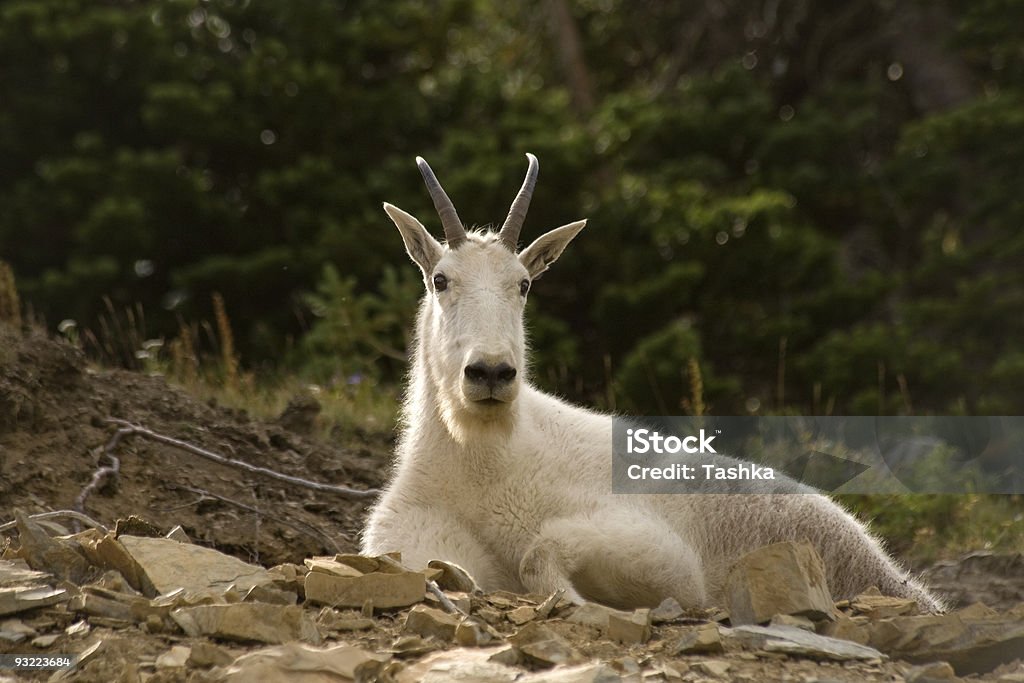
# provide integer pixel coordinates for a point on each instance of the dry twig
(60, 514)
(444, 599)
(104, 474)
(343, 491)
(107, 473)
(302, 527)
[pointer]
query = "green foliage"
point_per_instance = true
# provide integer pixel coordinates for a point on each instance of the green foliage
(359, 337)
(653, 374)
(770, 194)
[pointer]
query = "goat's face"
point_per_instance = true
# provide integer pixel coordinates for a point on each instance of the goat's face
(477, 293)
(471, 330)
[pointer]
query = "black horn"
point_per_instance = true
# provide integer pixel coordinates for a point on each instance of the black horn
(517, 213)
(454, 233)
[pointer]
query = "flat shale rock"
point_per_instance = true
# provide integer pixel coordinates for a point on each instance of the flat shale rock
(328, 565)
(849, 628)
(543, 647)
(178, 534)
(274, 596)
(330, 619)
(14, 599)
(45, 641)
(631, 629)
(91, 653)
(549, 652)
(203, 654)
(384, 590)
(475, 632)
(794, 621)
(874, 605)
(177, 657)
(596, 615)
(463, 665)
(522, 615)
(110, 605)
(716, 669)
(412, 646)
(298, 663)
(161, 565)
(54, 555)
(23, 588)
(290, 577)
(595, 672)
(668, 610)
(703, 639)
(366, 564)
(782, 578)
(431, 623)
(15, 631)
(248, 621)
(795, 641)
(18, 572)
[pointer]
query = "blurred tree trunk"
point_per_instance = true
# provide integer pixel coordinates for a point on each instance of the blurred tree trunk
(936, 76)
(576, 75)
(569, 51)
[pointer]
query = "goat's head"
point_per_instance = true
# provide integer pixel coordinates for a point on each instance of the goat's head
(471, 328)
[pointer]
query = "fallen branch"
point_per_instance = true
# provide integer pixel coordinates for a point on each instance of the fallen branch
(104, 474)
(301, 527)
(444, 599)
(130, 429)
(60, 514)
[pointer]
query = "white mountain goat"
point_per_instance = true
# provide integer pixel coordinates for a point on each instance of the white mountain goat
(514, 485)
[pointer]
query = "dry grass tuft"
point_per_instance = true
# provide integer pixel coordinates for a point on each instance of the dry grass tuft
(696, 402)
(10, 304)
(229, 359)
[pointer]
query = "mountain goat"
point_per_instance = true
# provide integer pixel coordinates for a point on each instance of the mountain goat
(514, 485)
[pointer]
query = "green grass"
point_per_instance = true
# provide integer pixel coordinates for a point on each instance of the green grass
(345, 410)
(923, 528)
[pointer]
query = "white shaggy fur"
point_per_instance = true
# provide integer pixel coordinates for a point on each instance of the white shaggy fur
(517, 488)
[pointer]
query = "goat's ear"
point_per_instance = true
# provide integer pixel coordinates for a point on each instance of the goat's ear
(548, 247)
(422, 247)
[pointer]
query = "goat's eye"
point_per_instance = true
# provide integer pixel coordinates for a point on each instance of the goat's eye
(440, 282)
(524, 287)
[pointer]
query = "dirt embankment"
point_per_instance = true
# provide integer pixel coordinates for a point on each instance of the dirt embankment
(53, 432)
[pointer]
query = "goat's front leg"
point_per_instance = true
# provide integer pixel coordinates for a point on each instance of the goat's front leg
(621, 558)
(547, 566)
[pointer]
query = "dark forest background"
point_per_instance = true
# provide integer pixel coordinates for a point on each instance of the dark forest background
(794, 206)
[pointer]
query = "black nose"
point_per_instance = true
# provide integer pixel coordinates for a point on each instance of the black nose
(491, 375)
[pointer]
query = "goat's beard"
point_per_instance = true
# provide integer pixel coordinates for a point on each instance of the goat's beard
(469, 421)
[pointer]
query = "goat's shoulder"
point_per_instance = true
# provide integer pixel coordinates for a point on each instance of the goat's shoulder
(550, 414)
